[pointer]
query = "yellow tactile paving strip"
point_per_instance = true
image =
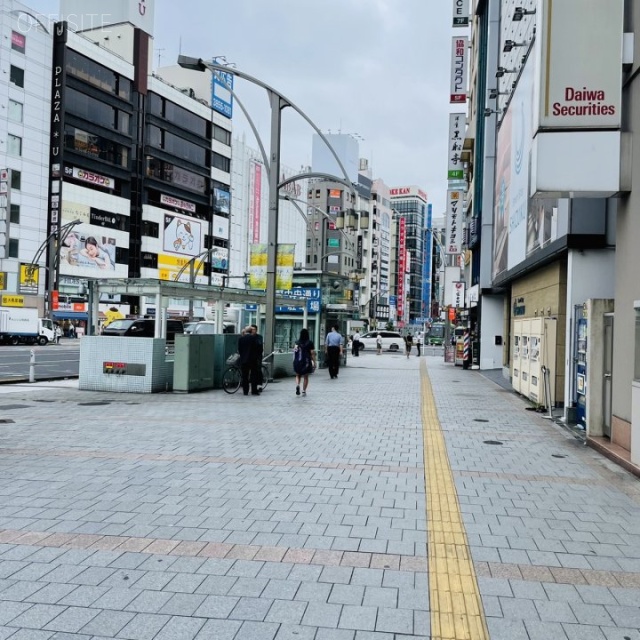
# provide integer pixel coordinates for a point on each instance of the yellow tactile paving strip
(454, 597)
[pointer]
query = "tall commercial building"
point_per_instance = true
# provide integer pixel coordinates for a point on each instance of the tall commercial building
(25, 87)
(556, 181)
(140, 166)
(409, 207)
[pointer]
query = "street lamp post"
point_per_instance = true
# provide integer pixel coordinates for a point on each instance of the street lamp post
(277, 102)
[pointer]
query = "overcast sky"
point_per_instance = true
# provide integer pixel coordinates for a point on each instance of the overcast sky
(376, 68)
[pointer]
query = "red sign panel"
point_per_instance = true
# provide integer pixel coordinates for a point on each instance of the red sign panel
(55, 300)
(402, 265)
(257, 201)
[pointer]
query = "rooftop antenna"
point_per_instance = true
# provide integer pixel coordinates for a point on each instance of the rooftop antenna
(159, 55)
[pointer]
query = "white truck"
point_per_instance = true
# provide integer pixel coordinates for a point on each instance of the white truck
(18, 325)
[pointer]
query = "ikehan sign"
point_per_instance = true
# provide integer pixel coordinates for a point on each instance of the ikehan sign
(581, 84)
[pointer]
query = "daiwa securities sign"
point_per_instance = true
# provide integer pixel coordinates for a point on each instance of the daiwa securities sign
(460, 13)
(581, 84)
(577, 118)
(459, 59)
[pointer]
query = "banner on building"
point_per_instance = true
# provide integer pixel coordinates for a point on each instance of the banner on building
(459, 61)
(454, 222)
(255, 201)
(457, 295)
(457, 122)
(402, 265)
(285, 259)
(258, 266)
(29, 279)
(460, 13)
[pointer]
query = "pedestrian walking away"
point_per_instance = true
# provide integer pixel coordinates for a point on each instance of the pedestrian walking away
(304, 361)
(419, 344)
(355, 344)
(378, 344)
(408, 342)
(333, 350)
(247, 348)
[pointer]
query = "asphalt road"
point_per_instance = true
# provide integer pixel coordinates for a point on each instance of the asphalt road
(52, 361)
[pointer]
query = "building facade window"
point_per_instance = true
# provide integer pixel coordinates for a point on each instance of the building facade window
(16, 179)
(15, 111)
(14, 247)
(16, 76)
(97, 112)
(14, 215)
(95, 74)
(96, 146)
(222, 135)
(221, 162)
(14, 145)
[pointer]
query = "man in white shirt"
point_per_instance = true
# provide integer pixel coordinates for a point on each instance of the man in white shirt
(355, 344)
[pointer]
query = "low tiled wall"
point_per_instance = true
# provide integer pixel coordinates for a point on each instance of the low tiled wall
(153, 368)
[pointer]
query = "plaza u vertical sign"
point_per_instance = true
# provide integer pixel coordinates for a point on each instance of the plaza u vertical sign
(402, 265)
(56, 143)
(459, 69)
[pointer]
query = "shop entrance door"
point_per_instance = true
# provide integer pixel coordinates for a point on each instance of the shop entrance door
(607, 372)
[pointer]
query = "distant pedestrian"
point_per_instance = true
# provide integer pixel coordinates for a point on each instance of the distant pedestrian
(247, 350)
(408, 342)
(333, 350)
(378, 344)
(418, 344)
(304, 360)
(355, 344)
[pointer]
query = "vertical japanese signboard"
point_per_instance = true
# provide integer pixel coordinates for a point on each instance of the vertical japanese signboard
(256, 201)
(454, 211)
(456, 138)
(460, 13)
(402, 264)
(459, 60)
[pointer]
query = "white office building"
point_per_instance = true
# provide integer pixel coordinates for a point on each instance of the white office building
(25, 88)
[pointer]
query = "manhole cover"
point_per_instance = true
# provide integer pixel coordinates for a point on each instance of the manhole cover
(7, 407)
(92, 404)
(480, 420)
(557, 455)
(7, 421)
(493, 442)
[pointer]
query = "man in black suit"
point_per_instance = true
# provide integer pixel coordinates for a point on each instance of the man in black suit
(247, 348)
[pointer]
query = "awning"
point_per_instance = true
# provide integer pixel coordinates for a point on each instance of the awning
(64, 314)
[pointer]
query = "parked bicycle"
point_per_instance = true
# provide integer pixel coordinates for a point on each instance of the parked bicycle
(232, 376)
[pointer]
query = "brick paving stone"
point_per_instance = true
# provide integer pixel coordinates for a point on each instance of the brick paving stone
(144, 626)
(34, 617)
(180, 628)
(72, 619)
(286, 612)
(358, 618)
(107, 623)
(219, 630)
(295, 632)
(257, 631)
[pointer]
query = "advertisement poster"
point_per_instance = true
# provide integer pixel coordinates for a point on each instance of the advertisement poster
(459, 65)
(502, 197)
(258, 266)
(222, 201)
(29, 278)
(182, 235)
(284, 266)
(454, 222)
(219, 258)
(170, 265)
(542, 223)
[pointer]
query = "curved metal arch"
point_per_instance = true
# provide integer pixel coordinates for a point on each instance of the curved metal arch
(317, 174)
(199, 63)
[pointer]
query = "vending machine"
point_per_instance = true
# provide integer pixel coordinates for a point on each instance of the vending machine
(581, 369)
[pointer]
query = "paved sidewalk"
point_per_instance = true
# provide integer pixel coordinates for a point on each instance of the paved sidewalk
(208, 516)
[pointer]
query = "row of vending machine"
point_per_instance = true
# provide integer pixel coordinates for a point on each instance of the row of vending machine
(534, 359)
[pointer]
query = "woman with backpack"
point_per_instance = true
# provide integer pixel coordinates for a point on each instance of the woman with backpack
(304, 360)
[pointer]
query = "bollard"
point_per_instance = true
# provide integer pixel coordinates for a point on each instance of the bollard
(32, 366)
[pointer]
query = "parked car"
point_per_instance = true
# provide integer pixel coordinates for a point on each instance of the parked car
(391, 341)
(141, 328)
